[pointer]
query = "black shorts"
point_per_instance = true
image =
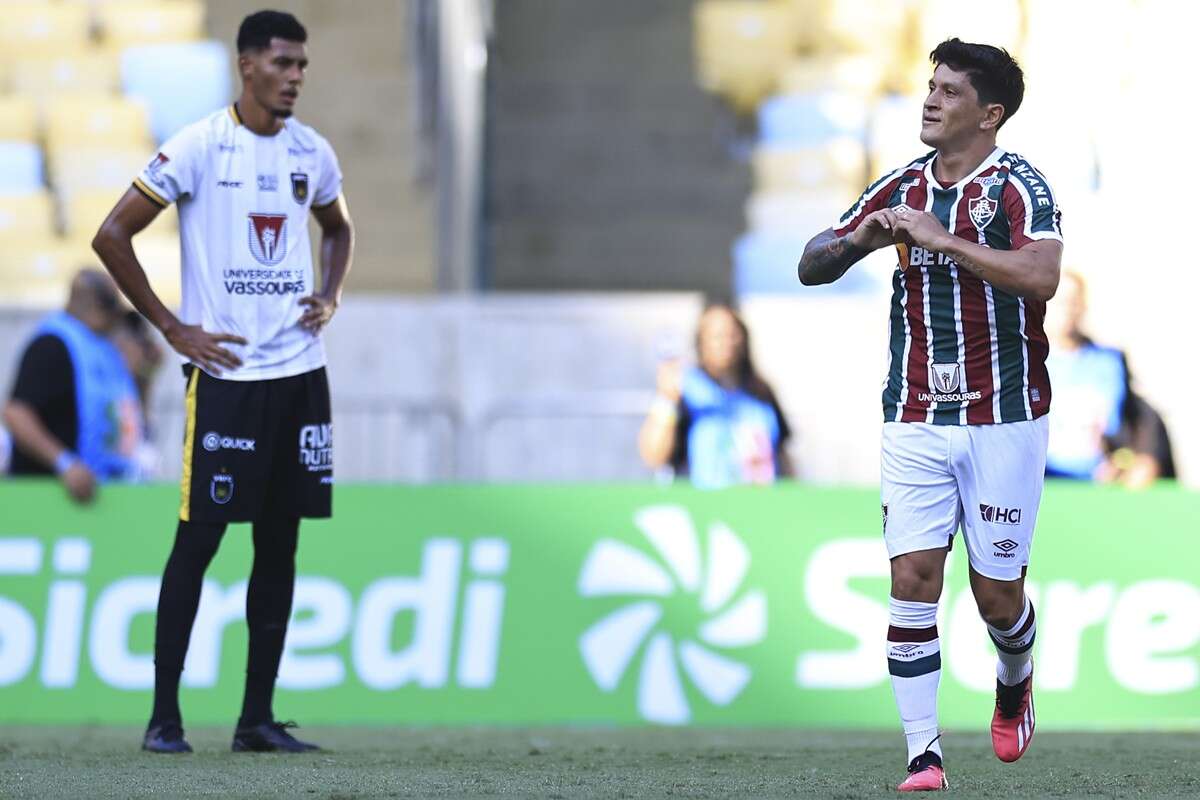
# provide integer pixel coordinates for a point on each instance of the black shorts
(256, 449)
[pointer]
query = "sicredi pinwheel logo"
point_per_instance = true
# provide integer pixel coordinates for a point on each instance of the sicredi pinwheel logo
(686, 609)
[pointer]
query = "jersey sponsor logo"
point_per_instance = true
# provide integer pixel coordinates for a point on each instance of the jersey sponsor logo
(154, 169)
(903, 189)
(268, 237)
(1037, 188)
(316, 447)
(988, 181)
(268, 183)
(300, 187)
(982, 211)
(945, 377)
(920, 257)
(229, 184)
(213, 442)
(1001, 516)
(221, 488)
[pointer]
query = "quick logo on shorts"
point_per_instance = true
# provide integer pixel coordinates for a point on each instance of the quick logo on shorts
(213, 442)
(316, 447)
(1000, 516)
(268, 237)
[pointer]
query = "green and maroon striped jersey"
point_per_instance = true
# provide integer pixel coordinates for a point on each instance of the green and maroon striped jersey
(963, 352)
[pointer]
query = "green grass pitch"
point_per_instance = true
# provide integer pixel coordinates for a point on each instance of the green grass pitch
(53, 762)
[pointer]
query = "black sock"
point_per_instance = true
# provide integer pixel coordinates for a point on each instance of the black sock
(268, 607)
(178, 598)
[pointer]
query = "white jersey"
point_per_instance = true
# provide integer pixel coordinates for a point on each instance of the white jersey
(244, 202)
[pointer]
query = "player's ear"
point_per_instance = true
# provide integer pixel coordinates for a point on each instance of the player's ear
(246, 64)
(992, 117)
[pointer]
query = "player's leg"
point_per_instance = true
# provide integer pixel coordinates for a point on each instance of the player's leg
(300, 486)
(920, 506)
(178, 599)
(1000, 469)
(268, 606)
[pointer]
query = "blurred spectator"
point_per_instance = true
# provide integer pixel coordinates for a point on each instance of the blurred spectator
(717, 423)
(74, 409)
(1099, 428)
(143, 355)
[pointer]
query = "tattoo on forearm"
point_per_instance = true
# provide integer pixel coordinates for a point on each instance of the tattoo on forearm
(827, 258)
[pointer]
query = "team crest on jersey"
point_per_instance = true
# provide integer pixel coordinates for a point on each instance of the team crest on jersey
(221, 488)
(268, 237)
(300, 187)
(155, 167)
(946, 377)
(982, 211)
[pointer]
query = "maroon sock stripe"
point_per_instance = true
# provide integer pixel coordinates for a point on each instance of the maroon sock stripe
(912, 634)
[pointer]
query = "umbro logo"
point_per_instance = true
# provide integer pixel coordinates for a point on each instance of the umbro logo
(1007, 545)
(907, 647)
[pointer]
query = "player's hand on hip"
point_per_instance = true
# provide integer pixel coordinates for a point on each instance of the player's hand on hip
(318, 312)
(203, 348)
(79, 482)
(920, 228)
(875, 231)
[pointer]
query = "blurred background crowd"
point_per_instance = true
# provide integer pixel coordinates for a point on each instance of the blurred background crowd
(572, 214)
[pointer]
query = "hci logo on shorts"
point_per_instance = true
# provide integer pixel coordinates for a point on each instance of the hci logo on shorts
(221, 489)
(1000, 516)
(268, 237)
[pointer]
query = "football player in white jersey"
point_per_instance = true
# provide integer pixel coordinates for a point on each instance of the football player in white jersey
(258, 436)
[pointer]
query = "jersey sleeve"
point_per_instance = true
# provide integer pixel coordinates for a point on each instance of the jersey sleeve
(874, 198)
(329, 184)
(1033, 213)
(171, 174)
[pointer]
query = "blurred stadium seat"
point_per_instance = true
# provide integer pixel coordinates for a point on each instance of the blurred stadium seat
(18, 119)
(122, 23)
(42, 28)
(811, 119)
(83, 210)
(90, 71)
(197, 83)
(96, 120)
(37, 271)
(839, 165)
(26, 215)
(740, 47)
(765, 263)
(793, 211)
(21, 168)
(82, 167)
(158, 253)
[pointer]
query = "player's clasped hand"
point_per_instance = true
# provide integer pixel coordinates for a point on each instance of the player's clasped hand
(919, 227)
(318, 312)
(876, 230)
(203, 348)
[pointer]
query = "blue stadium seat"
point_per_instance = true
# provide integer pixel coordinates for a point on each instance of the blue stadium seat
(765, 263)
(196, 83)
(810, 119)
(20, 167)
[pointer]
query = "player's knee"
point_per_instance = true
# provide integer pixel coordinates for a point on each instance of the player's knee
(915, 585)
(999, 610)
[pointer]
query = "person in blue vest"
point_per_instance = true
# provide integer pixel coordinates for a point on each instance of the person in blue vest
(74, 410)
(1101, 429)
(717, 423)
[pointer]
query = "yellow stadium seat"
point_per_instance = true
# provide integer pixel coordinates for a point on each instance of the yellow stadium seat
(74, 169)
(96, 120)
(740, 46)
(158, 253)
(26, 215)
(18, 118)
(38, 272)
(862, 75)
(838, 165)
(124, 23)
(85, 209)
(30, 28)
(90, 71)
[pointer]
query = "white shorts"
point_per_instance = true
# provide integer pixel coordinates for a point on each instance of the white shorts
(986, 478)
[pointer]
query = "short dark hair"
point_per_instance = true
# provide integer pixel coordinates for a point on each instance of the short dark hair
(995, 74)
(258, 29)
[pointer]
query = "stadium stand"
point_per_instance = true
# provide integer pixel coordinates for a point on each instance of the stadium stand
(83, 100)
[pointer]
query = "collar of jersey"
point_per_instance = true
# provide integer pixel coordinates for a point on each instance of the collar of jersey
(992, 159)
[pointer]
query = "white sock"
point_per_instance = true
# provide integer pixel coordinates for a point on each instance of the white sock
(915, 663)
(1014, 647)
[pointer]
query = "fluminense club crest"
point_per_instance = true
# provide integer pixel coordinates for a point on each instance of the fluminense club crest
(982, 211)
(268, 237)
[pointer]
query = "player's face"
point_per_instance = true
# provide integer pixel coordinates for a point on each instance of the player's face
(276, 74)
(952, 113)
(720, 341)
